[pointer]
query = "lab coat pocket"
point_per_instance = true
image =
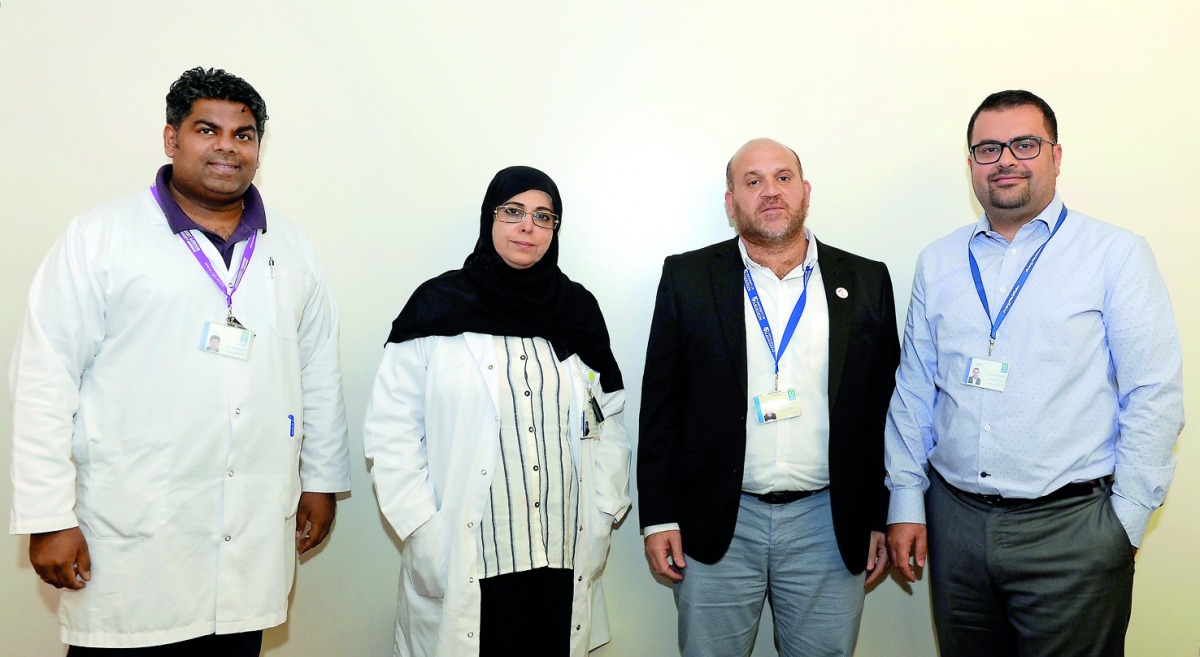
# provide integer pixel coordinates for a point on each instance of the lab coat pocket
(290, 290)
(599, 540)
(126, 493)
(426, 561)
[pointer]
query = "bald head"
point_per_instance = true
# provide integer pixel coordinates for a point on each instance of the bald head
(754, 147)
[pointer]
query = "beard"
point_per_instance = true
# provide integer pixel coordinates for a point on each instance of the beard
(1010, 198)
(757, 232)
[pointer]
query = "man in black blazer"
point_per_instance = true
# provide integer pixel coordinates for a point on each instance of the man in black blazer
(762, 476)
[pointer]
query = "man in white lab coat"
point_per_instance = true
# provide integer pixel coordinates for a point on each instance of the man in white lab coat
(167, 487)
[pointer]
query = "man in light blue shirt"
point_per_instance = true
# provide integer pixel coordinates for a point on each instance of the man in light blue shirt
(1037, 404)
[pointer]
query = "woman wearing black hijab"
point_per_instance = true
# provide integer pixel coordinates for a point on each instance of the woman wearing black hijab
(499, 455)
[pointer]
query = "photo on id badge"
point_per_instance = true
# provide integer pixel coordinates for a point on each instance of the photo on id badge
(225, 340)
(986, 373)
(776, 406)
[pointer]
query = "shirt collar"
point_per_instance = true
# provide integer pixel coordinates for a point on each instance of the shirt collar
(1048, 216)
(254, 215)
(810, 256)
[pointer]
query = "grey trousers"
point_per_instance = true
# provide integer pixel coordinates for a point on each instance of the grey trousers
(1044, 579)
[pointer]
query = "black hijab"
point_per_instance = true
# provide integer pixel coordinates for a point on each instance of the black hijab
(488, 296)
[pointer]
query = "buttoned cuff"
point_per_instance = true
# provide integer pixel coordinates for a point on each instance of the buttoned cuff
(1134, 518)
(907, 505)
(658, 529)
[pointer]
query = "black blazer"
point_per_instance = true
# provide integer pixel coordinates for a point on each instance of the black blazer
(692, 435)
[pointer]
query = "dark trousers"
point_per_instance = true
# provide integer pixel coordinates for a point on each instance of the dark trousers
(527, 614)
(242, 644)
(1041, 579)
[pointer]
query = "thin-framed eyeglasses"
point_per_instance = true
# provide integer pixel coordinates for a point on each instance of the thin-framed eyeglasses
(515, 214)
(1022, 148)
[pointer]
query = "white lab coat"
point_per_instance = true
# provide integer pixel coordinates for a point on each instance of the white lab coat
(183, 468)
(432, 430)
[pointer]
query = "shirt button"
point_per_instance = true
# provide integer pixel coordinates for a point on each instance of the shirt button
(231, 473)
(470, 524)
(581, 528)
(530, 429)
(470, 580)
(227, 538)
(987, 427)
(489, 367)
(535, 468)
(522, 357)
(1003, 290)
(483, 472)
(1012, 251)
(526, 393)
(537, 505)
(237, 411)
(470, 635)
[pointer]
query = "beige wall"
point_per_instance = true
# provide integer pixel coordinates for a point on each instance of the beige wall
(389, 118)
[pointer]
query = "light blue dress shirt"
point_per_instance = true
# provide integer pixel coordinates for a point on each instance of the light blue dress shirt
(1095, 385)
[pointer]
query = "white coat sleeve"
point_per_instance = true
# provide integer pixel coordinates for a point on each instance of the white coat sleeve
(612, 455)
(394, 437)
(325, 452)
(62, 331)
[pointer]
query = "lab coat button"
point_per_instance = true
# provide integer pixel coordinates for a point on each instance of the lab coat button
(231, 473)
(237, 411)
(470, 635)
(483, 472)
(227, 538)
(470, 524)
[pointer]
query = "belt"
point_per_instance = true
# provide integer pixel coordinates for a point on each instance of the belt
(1078, 489)
(784, 496)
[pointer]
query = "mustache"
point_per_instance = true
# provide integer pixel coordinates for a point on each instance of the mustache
(1008, 171)
(766, 203)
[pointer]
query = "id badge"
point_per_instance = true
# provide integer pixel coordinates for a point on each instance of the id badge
(986, 373)
(776, 406)
(225, 340)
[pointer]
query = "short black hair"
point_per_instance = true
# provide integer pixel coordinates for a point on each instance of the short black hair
(216, 84)
(1002, 100)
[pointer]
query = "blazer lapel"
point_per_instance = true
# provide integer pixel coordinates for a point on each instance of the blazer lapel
(725, 273)
(836, 277)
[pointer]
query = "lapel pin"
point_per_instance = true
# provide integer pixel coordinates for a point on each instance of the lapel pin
(842, 293)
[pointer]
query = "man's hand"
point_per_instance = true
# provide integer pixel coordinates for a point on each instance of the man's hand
(61, 558)
(877, 559)
(314, 517)
(661, 545)
(905, 540)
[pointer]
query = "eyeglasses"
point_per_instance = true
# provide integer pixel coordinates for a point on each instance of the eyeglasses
(1024, 148)
(513, 214)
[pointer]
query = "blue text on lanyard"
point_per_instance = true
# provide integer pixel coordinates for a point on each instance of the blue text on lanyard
(765, 324)
(1016, 288)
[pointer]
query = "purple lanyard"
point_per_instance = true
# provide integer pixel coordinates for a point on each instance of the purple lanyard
(190, 240)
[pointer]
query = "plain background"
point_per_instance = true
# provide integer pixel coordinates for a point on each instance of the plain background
(388, 119)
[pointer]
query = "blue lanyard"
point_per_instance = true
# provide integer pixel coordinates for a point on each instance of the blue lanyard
(1016, 289)
(765, 324)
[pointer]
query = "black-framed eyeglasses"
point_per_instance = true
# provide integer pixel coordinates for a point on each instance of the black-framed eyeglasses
(1023, 148)
(515, 214)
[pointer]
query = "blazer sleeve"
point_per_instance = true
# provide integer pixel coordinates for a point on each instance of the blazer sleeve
(662, 412)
